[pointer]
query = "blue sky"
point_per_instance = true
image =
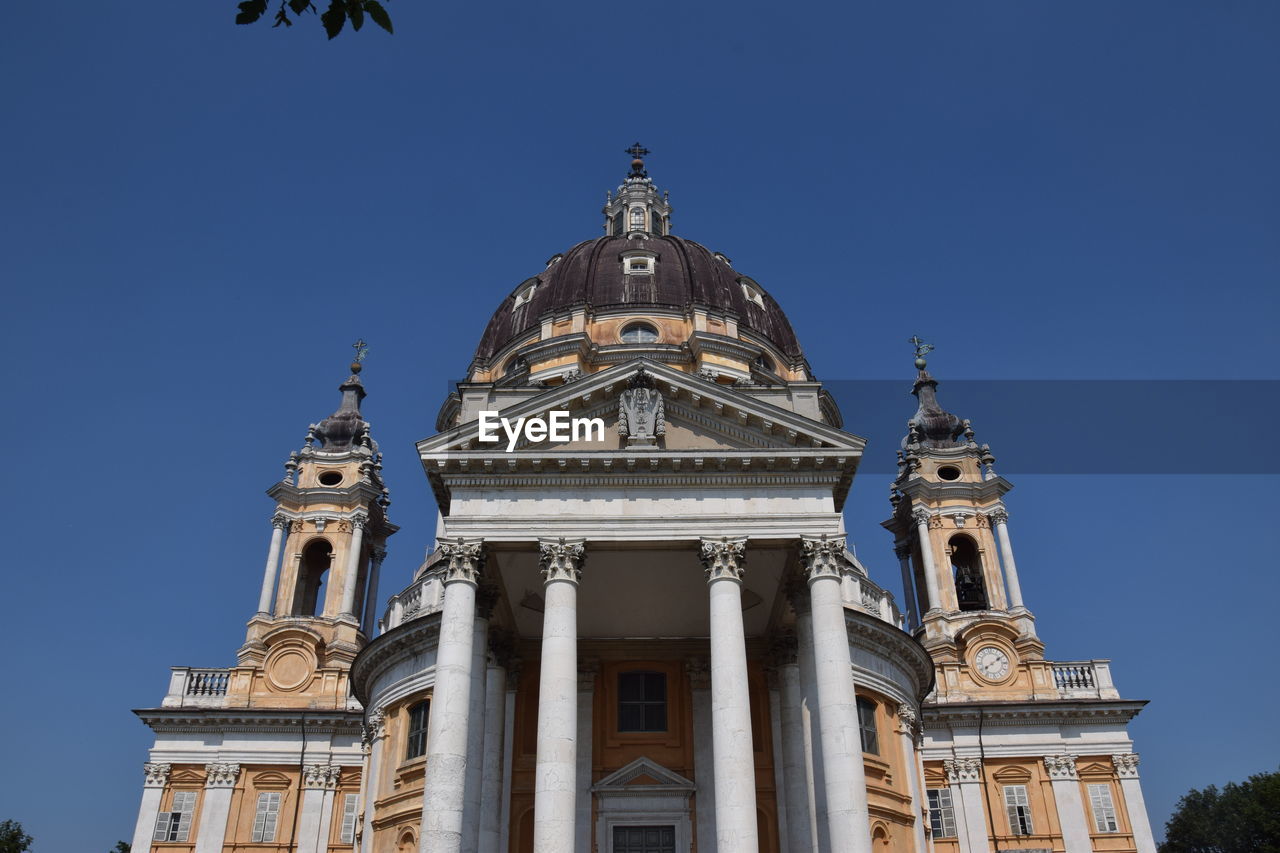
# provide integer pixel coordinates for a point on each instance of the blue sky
(199, 218)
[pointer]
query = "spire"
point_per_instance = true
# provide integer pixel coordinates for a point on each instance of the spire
(345, 428)
(932, 426)
(638, 209)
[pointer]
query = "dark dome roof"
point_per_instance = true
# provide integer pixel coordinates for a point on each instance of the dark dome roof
(685, 274)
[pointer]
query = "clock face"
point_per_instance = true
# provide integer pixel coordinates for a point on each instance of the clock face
(992, 663)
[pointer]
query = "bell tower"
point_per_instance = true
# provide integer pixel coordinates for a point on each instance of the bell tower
(317, 605)
(952, 539)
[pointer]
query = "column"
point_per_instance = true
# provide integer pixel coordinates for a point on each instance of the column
(921, 517)
(1126, 765)
(903, 550)
(319, 781)
(442, 795)
(371, 593)
(1000, 521)
(486, 598)
(845, 780)
(800, 831)
(278, 524)
(1066, 794)
(215, 807)
(798, 595)
(964, 776)
(508, 753)
(699, 672)
(375, 735)
(349, 584)
(587, 673)
(495, 730)
(775, 739)
(555, 773)
(157, 779)
(907, 722)
(733, 758)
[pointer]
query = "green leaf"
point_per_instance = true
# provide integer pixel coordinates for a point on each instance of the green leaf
(334, 17)
(251, 10)
(300, 6)
(379, 14)
(355, 11)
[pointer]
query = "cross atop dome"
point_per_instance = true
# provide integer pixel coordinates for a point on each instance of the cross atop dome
(638, 152)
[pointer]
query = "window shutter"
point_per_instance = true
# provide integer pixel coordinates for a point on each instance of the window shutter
(1104, 810)
(349, 819)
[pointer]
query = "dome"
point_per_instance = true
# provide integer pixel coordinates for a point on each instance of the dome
(679, 274)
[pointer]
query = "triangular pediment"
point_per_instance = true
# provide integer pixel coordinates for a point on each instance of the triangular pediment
(643, 773)
(699, 415)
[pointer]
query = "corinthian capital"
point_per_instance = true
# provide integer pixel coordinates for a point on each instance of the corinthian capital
(375, 727)
(465, 559)
(963, 769)
(822, 557)
(561, 559)
(1126, 764)
(157, 775)
(221, 775)
(1061, 766)
(723, 558)
(920, 515)
(907, 715)
(359, 521)
(280, 520)
(324, 776)
(998, 516)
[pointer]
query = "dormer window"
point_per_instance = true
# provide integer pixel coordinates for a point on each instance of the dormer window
(751, 292)
(638, 262)
(638, 333)
(524, 295)
(639, 265)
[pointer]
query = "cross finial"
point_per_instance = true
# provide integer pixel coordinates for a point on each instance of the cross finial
(637, 150)
(362, 351)
(922, 349)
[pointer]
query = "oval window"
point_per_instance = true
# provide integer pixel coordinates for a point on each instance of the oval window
(330, 478)
(638, 333)
(949, 472)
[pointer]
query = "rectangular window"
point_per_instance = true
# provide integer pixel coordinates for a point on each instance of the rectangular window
(349, 819)
(867, 726)
(175, 824)
(1019, 808)
(942, 814)
(1104, 810)
(418, 717)
(642, 702)
(267, 816)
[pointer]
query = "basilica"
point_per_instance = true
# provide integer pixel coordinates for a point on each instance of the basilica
(647, 634)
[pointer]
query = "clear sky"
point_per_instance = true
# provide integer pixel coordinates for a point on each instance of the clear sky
(198, 219)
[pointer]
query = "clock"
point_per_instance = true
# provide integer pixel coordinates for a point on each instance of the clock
(992, 663)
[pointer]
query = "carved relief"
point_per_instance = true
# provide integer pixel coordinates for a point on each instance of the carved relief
(699, 672)
(157, 775)
(465, 558)
(1061, 766)
(561, 559)
(960, 770)
(1126, 764)
(324, 776)
(822, 557)
(221, 775)
(641, 415)
(723, 558)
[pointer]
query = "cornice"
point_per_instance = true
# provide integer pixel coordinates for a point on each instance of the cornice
(1042, 713)
(264, 720)
(407, 638)
(878, 636)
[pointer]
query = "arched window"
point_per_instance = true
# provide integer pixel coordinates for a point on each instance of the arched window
(638, 333)
(966, 570)
(867, 726)
(637, 219)
(308, 599)
(642, 701)
(419, 715)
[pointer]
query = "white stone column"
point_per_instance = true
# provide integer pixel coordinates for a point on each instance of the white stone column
(555, 773)
(903, 550)
(907, 721)
(442, 796)
(921, 517)
(1000, 521)
(1066, 795)
(495, 730)
(377, 555)
(800, 836)
(319, 781)
(845, 779)
(278, 525)
(375, 734)
(587, 673)
(1126, 766)
(508, 753)
(157, 779)
(733, 757)
(486, 597)
(812, 719)
(215, 806)
(349, 584)
(964, 776)
(775, 740)
(699, 672)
